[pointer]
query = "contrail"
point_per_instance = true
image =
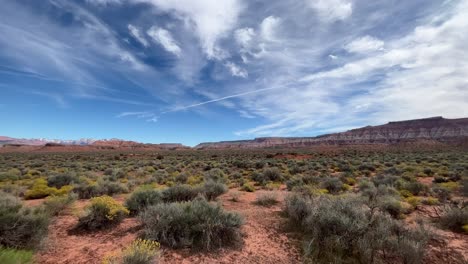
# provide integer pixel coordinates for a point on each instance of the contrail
(217, 100)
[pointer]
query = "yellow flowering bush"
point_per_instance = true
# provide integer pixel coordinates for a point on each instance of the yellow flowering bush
(103, 211)
(40, 189)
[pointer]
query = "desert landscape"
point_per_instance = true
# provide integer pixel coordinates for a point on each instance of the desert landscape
(394, 193)
(233, 132)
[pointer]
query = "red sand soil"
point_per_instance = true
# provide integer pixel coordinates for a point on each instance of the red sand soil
(445, 246)
(426, 180)
(63, 246)
(264, 239)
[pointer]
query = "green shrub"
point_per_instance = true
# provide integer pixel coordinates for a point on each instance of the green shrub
(272, 174)
(215, 175)
(392, 206)
(195, 224)
(415, 188)
(86, 190)
(141, 199)
(21, 227)
(455, 219)
(430, 201)
(15, 256)
(333, 185)
(180, 193)
(465, 186)
(56, 204)
(247, 187)
(345, 230)
(60, 180)
(266, 199)
(103, 212)
(212, 189)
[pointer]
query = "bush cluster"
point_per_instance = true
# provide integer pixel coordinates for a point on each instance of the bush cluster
(40, 189)
(346, 230)
(455, 219)
(21, 227)
(196, 224)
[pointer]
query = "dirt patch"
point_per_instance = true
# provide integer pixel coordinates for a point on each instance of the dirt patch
(445, 246)
(426, 180)
(264, 238)
(63, 246)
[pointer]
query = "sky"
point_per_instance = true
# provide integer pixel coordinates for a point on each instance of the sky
(194, 71)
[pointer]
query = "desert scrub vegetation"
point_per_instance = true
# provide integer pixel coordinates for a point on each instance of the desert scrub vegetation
(141, 199)
(103, 212)
(15, 256)
(21, 227)
(56, 204)
(139, 251)
(347, 229)
(455, 218)
(40, 189)
(197, 224)
(267, 199)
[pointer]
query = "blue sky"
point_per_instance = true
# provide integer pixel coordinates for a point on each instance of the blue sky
(207, 70)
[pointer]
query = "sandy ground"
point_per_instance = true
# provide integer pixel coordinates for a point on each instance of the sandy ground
(264, 239)
(445, 246)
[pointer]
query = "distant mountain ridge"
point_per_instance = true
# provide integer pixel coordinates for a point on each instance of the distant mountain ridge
(433, 129)
(427, 130)
(42, 141)
(97, 144)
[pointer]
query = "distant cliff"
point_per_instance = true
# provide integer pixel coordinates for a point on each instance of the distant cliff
(8, 144)
(434, 129)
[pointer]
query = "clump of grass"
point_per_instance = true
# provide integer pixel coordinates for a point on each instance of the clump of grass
(139, 251)
(267, 199)
(247, 187)
(195, 224)
(56, 204)
(235, 196)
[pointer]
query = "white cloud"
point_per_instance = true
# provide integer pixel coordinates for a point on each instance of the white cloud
(236, 70)
(268, 28)
(135, 32)
(365, 44)
(165, 39)
(418, 75)
(103, 2)
(244, 36)
(211, 19)
(332, 10)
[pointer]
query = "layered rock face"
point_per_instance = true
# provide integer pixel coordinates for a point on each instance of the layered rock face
(435, 129)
